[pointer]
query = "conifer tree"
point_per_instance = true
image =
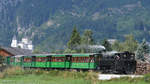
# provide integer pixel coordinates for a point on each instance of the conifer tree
(75, 40)
(142, 50)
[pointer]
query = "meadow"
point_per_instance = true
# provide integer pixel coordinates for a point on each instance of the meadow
(17, 75)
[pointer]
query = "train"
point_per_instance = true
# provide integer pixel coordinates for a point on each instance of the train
(105, 62)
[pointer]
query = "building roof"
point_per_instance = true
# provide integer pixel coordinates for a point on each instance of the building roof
(16, 51)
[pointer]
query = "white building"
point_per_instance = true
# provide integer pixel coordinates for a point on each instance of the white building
(25, 43)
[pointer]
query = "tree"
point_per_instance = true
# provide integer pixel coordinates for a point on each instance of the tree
(86, 40)
(75, 40)
(70, 51)
(117, 46)
(107, 45)
(142, 50)
(130, 44)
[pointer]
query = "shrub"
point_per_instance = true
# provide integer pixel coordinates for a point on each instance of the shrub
(13, 71)
(2, 75)
(93, 76)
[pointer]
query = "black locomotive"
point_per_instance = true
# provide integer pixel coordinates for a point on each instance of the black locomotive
(118, 63)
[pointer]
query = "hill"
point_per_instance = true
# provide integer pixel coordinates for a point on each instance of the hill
(49, 23)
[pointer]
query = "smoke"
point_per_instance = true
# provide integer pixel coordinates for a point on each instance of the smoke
(91, 48)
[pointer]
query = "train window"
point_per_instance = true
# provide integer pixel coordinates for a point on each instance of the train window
(84, 59)
(58, 59)
(27, 59)
(72, 59)
(53, 59)
(80, 59)
(87, 59)
(75, 59)
(41, 59)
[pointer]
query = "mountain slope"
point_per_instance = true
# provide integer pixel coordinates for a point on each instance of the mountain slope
(49, 23)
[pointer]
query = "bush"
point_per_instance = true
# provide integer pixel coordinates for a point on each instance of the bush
(13, 71)
(2, 75)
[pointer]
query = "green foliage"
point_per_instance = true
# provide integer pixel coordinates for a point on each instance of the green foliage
(107, 45)
(142, 50)
(117, 46)
(70, 51)
(75, 40)
(147, 78)
(49, 22)
(86, 40)
(130, 44)
(65, 77)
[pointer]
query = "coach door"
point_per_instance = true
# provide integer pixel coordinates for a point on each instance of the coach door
(49, 61)
(91, 63)
(8, 60)
(33, 64)
(68, 61)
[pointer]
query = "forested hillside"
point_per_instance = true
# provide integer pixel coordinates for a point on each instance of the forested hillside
(49, 23)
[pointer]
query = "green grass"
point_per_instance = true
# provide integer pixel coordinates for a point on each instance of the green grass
(20, 76)
(41, 79)
(47, 79)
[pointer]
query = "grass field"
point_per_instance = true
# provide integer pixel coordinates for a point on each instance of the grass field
(44, 79)
(19, 76)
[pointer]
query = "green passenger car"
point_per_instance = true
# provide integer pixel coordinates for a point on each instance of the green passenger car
(60, 61)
